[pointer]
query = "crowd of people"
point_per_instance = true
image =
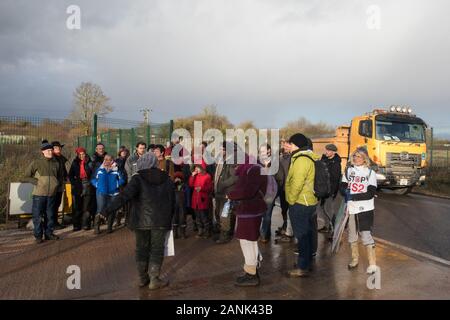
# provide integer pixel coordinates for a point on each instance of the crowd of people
(223, 200)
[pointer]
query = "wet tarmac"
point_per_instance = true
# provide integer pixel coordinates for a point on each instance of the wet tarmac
(203, 270)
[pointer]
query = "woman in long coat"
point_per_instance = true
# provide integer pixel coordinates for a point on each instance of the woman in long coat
(248, 196)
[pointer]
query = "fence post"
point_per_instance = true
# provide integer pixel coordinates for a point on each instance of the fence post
(170, 130)
(120, 138)
(431, 147)
(109, 139)
(133, 138)
(78, 141)
(147, 129)
(94, 133)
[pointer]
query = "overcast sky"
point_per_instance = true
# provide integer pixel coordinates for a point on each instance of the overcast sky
(267, 61)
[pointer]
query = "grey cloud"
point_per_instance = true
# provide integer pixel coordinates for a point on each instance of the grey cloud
(300, 58)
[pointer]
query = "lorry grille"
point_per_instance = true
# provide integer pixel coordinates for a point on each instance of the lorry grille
(403, 159)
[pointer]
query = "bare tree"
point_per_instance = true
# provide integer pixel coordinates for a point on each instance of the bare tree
(88, 100)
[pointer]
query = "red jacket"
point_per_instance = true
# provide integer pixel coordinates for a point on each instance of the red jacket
(200, 200)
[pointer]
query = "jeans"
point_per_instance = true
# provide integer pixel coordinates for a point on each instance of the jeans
(43, 208)
(303, 226)
(203, 221)
(103, 200)
(150, 246)
(267, 222)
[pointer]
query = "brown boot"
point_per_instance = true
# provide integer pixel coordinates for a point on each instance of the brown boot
(372, 259)
(355, 255)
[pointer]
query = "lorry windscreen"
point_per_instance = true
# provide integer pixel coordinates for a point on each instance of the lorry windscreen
(399, 131)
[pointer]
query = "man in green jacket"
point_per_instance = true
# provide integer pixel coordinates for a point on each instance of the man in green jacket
(302, 200)
(45, 174)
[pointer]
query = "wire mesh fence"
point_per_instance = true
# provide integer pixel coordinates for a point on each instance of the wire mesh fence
(438, 148)
(21, 137)
(115, 133)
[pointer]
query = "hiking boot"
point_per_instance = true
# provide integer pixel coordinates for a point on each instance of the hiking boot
(285, 238)
(247, 280)
(206, 234)
(155, 281)
(144, 278)
(51, 237)
(97, 221)
(224, 238)
(298, 273)
(200, 233)
(38, 240)
(183, 232)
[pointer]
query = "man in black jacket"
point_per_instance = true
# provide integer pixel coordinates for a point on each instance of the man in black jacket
(329, 205)
(57, 154)
(153, 196)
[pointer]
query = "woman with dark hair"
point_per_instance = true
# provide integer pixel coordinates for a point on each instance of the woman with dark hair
(122, 156)
(82, 192)
(248, 195)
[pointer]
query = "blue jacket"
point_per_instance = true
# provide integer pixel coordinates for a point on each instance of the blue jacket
(108, 182)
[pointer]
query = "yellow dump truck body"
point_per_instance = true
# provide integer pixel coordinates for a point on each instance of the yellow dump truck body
(395, 142)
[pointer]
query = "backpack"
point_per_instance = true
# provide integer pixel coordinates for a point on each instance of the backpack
(322, 185)
(271, 189)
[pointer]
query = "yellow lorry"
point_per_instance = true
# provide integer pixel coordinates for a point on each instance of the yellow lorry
(395, 139)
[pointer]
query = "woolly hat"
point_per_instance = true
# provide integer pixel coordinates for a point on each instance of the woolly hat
(299, 140)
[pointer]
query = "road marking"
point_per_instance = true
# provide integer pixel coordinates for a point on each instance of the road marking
(413, 251)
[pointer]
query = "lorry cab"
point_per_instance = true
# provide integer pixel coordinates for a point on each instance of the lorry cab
(395, 140)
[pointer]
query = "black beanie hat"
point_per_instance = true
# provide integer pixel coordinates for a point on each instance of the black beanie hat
(299, 140)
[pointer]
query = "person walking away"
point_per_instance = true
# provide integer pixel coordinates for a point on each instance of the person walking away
(57, 154)
(179, 218)
(265, 153)
(359, 185)
(107, 181)
(79, 176)
(330, 205)
(152, 193)
(201, 184)
(302, 200)
(249, 191)
(224, 180)
(44, 173)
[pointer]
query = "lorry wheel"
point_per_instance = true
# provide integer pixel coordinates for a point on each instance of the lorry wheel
(402, 191)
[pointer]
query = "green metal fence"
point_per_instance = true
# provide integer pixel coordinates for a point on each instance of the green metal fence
(115, 133)
(438, 150)
(20, 140)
